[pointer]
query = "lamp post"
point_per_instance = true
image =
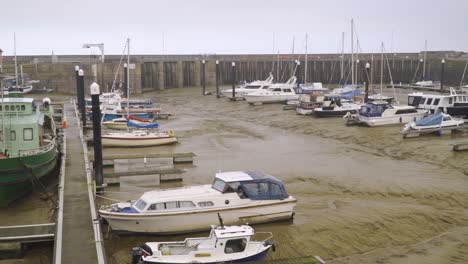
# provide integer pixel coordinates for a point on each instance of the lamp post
(203, 77)
(366, 98)
(233, 80)
(442, 70)
(217, 79)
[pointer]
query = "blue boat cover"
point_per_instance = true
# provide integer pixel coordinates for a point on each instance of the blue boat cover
(128, 210)
(130, 123)
(432, 120)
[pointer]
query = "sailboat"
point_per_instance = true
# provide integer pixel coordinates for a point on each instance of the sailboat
(144, 137)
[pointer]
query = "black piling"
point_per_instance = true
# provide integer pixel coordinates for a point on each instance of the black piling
(233, 80)
(217, 79)
(366, 96)
(298, 74)
(125, 69)
(203, 77)
(442, 72)
(81, 97)
(98, 174)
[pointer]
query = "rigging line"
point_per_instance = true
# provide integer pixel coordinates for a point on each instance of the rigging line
(391, 78)
(464, 72)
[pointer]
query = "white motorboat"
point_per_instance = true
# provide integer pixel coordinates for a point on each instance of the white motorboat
(250, 87)
(313, 88)
(455, 104)
(336, 108)
(379, 113)
(425, 84)
(240, 197)
(225, 244)
(432, 123)
(276, 93)
(122, 123)
(138, 138)
(380, 97)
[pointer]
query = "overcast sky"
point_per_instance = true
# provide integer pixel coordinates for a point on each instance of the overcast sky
(235, 26)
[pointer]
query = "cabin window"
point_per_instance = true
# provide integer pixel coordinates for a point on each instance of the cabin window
(23, 108)
(232, 187)
(436, 101)
(423, 100)
(171, 205)
(186, 204)
(219, 185)
(28, 134)
(277, 90)
(206, 204)
(7, 108)
(287, 90)
(1, 108)
(140, 204)
(405, 111)
(265, 87)
(450, 100)
(429, 101)
(155, 207)
(252, 87)
(235, 246)
(17, 108)
(13, 135)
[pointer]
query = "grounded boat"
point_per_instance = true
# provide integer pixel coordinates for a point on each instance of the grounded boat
(225, 244)
(276, 93)
(124, 123)
(379, 113)
(240, 197)
(311, 88)
(250, 87)
(432, 123)
(28, 146)
(454, 104)
(336, 108)
(138, 138)
(308, 102)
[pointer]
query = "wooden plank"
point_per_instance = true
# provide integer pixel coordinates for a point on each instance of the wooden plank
(144, 155)
(143, 172)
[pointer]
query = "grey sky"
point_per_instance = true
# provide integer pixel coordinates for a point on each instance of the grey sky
(236, 26)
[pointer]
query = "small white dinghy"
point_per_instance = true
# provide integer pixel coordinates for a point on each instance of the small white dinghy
(138, 138)
(225, 244)
(433, 123)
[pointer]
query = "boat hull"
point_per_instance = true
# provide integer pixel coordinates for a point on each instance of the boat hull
(302, 111)
(112, 125)
(17, 174)
(139, 142)
(391, 120)
(270, 98)
(333, 113)
(192, 221)
(461, 110)
(254, 258)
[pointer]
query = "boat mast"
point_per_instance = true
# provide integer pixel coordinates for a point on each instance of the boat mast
(424, 63)
(128, 77)
(277, 66)
(381, 69)
(293, 69)
(342, 56)
(463, 75)
(16, 65)
(352, 51)
(305, 67)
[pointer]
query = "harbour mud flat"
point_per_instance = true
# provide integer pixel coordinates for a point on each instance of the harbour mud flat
(365, 195)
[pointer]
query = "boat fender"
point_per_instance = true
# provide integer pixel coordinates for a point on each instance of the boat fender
(145, 249)
(170, 133)
(271, 243)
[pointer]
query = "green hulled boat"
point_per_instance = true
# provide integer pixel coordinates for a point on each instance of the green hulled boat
(28, 146)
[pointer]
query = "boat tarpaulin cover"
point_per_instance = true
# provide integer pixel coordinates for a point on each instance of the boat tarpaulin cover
(432, 120)
(131, 123)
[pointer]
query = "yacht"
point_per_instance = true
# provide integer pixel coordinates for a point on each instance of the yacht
(336, 107)
(225, 244)
(379, 113)
(250, 87)
(240, 197)
(454, 104)
(276, 93)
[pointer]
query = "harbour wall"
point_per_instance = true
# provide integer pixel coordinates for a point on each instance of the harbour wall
(159, 72)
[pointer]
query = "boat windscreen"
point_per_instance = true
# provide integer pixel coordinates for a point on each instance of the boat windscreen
(219, 185)
(140, 204)
(252, 87)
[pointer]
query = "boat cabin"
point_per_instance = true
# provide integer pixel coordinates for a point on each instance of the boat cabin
(437, 101)
(24, 126)
(250, 185)
(382, 108)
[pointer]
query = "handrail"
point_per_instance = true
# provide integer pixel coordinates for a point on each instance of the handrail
(43, 149)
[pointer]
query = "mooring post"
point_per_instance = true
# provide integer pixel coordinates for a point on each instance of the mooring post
(77, 69)
(81, 97)
(98, 174)
(366, 97)
(217, 79)
(125, 80)
(442, 70)
(233, 80)
(203, 77)
(298, 74)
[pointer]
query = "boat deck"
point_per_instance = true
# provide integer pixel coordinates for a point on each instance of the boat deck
(78, 239)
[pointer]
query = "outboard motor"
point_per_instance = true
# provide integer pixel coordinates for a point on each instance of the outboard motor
(136, 254)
